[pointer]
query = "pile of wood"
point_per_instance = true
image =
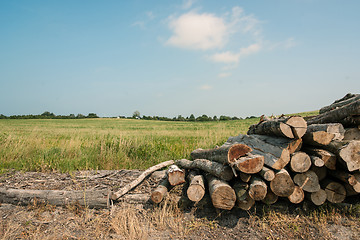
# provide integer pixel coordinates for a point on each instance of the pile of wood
(289, 157)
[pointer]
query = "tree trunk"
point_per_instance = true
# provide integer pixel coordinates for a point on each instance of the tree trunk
(290, 127)
(245, 177)
(335, 192)
(349, 152)
(257, 189)
(160, 191)
(282, 185)
(267, 174)
(319, 138)
(175, 175)
(293, 145)
(335, 128)
(352, 134)
(222, 195)
(224, 154)
(351, 179)
(243, 200)
(321, 172)
(297, 196)
(274, 156)
(147, 172)
(318, 198)
(349, 98)
(328, 157)
(87, 198)
(270, 197)
(249, 164)
(316, 161)
(337, 115)
(196, 189)
(300, 162)
(214, 168)
(308, 181)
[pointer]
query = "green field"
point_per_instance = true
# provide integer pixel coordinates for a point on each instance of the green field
(79, 144)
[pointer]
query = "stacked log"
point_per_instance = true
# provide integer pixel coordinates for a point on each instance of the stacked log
(289, 157)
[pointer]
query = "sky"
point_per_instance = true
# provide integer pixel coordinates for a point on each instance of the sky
(168, 58)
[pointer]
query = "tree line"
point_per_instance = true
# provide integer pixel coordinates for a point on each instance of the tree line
(136, 115)
(49, 115)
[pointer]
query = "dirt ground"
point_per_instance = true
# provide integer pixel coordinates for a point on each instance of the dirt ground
(174, 218)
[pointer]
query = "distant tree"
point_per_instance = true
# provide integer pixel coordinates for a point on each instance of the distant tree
(192, 118)
(3, 116)
(180, 118)
(215, 118)
(92, 115)
(136, 114)
(203, 118)
(47, 114)
(72, 116)
(80, 116)
(224, 118)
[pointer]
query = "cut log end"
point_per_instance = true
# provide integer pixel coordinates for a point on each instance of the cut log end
(300, 162)
(297, 196)
(335, 192)
(282, 185)
(236, 151)
(319, 197)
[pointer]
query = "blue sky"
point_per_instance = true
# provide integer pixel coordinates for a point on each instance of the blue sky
(165, 58)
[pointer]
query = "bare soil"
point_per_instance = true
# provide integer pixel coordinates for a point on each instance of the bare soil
(175, 218)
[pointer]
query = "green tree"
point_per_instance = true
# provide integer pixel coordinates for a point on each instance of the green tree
(136, 114)
(192, 118)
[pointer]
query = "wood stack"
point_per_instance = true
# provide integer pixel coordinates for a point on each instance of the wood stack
(290, 157)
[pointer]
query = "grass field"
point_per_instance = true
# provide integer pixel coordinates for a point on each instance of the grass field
(67, 145)
(81, 144)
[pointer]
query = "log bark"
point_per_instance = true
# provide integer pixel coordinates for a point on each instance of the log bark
(270, 197)
(87, 198)
(293, 145)
(196, 189)
(175, 175)
(137, 181)
(335, 128)
(328, 157)
(300, 162)
(344, 177)
(321, 172)
(348, 98)
(297, 196)
(335, 192)
(249, 164)
(348, 151)
(282, 185)
(221, 193)
(160, 191)
(224, 154)
(267, 174)
(257, 189)
(318, 198)
(337, 115)
(243, 200)
(214, 168)
(274, 156)
(245, 177)
(308, 181)
(290, 127)
(246, 203)
(352, 134)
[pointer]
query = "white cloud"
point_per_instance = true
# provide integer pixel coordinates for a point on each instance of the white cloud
(225, 57)
(230, 57)
(188, 4)
(206, 87)
(198, 31)
(224, 75)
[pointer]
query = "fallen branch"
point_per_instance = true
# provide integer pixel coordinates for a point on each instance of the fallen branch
(147, 172)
